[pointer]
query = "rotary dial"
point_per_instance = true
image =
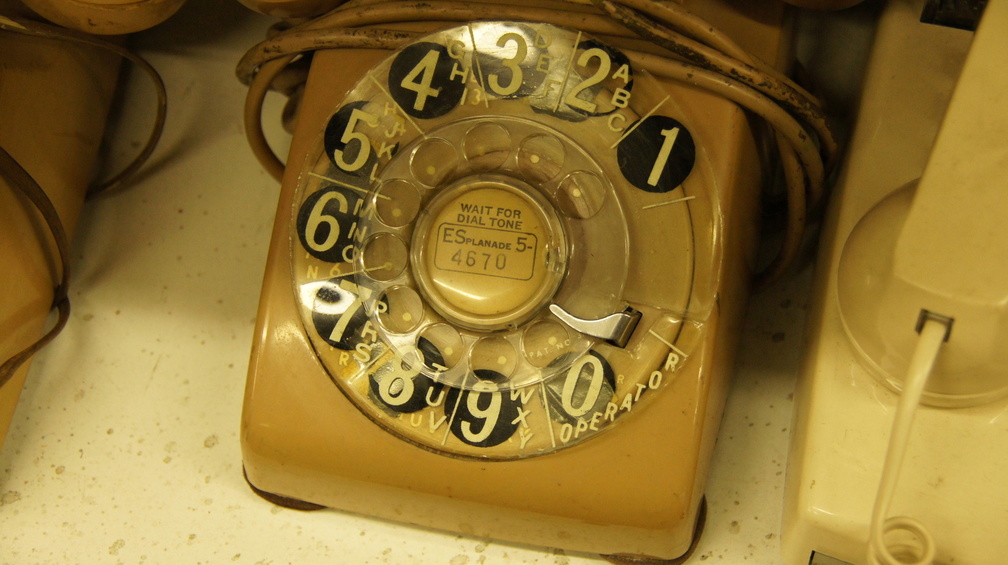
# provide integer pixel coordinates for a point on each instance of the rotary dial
(497, 241)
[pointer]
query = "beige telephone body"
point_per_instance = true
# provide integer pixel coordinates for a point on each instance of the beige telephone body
(910, 307)
(504, 287)
(56, 97)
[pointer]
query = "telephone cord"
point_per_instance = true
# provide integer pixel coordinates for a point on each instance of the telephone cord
(921, 549)
(18, 178)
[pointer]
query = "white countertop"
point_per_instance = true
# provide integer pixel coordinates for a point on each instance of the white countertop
(125, 445)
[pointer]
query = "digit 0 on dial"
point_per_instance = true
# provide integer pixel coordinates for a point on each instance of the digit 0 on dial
(467, 191)
(508, 264)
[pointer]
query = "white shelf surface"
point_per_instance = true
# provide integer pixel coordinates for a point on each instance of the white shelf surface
(124, 447)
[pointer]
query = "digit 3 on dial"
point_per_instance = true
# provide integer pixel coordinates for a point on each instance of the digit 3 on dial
(497, 241)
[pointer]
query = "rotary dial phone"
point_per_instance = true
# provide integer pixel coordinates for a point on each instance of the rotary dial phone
(505, 281)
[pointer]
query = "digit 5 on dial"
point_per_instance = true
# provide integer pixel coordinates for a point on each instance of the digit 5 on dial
(518, 262)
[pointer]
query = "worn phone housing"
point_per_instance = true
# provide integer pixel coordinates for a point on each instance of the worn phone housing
(635, 490)
(57, 97)
(54, 131)
(106, 17)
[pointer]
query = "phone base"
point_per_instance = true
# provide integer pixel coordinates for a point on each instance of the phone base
(698, 529)
(282, 501)
(701, 520)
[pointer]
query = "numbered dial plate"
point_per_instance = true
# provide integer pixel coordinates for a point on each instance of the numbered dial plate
(468, 187)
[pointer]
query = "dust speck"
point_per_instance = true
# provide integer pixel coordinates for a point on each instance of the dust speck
(116, 546)
(459, 560)
(59, 470)
(734, 527)
(210, 441)
(10, 497)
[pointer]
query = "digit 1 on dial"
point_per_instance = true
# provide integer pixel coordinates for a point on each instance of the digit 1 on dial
(657, 154)
(661, 160)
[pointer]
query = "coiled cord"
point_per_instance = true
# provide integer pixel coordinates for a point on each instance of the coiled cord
(665, 38)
